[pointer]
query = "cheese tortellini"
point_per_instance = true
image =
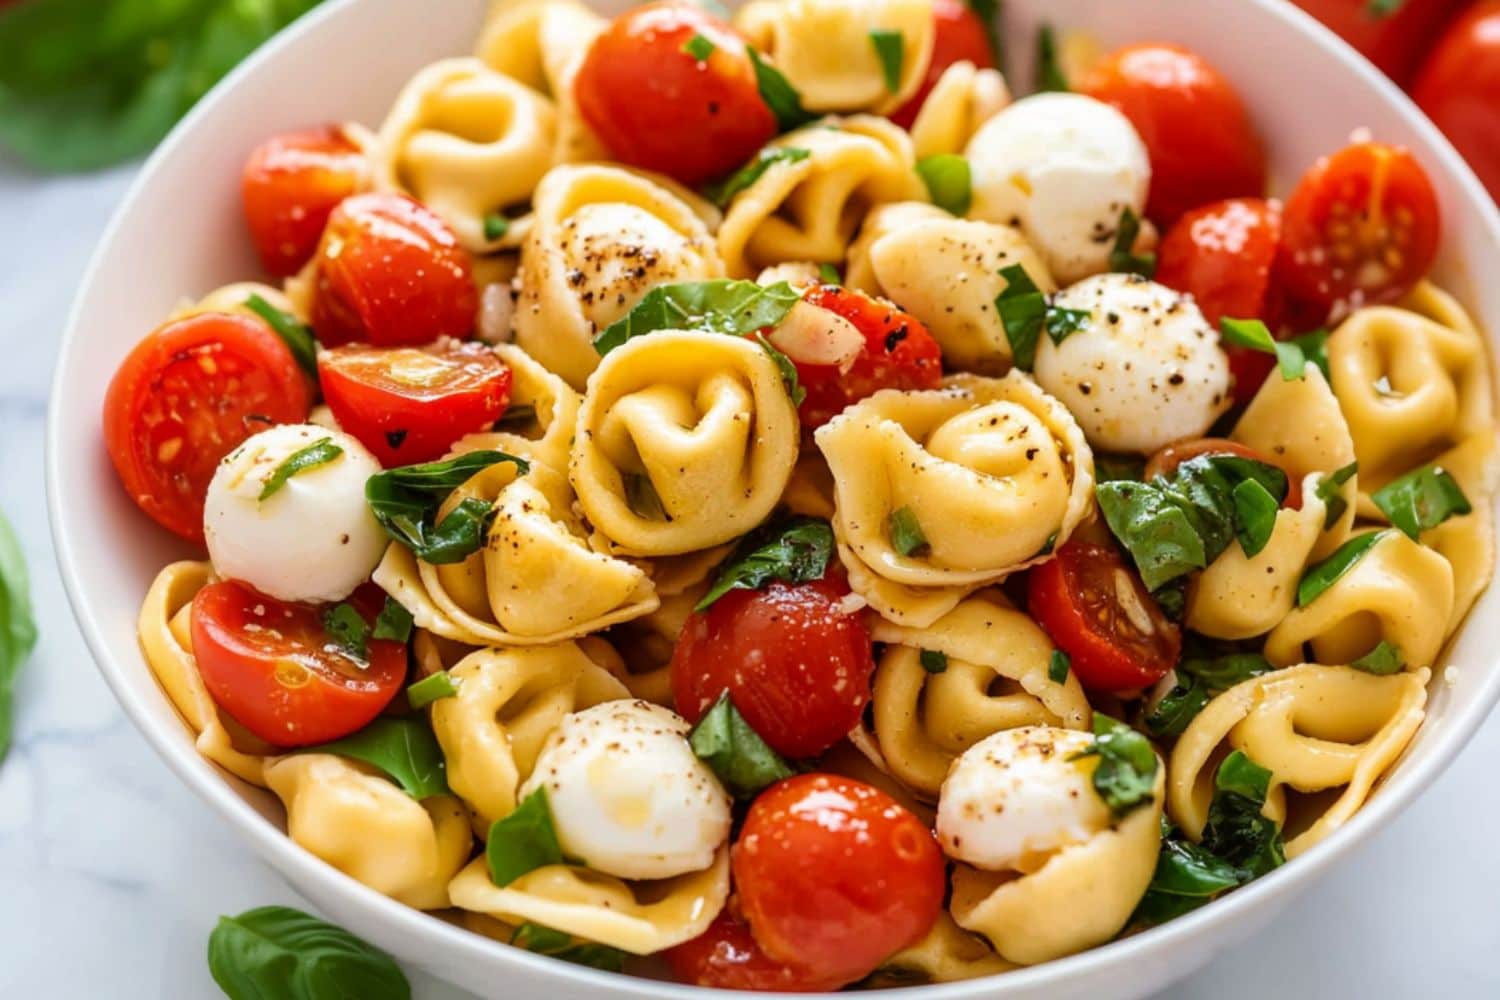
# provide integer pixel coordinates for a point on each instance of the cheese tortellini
(964, 98)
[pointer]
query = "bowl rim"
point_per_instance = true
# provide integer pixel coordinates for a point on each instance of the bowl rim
(273, 846)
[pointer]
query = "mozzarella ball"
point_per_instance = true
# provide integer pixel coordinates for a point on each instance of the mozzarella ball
(1015, 798)
(314, 538)
(1148, 369)
(1063, 167)
(628, 795)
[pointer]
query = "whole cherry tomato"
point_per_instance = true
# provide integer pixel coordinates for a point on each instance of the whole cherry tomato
(960, 36)
(188, 395)
(726, 957)
(1202, 144)
(290, 185)
(1166, 461)
(274, 667)
(835, 876)
(795, 662)
(1392, 35)
(669, 87)
(409, 404)
(391, 273)
(1097, 610)
(1459, 88)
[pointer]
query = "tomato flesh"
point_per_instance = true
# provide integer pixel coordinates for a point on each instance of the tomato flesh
(409, 404)
(726, 957)
(836, 876)
(290, 185)
(959, 36)
(1459, 88)
(273, 667)
(1395, 38)
(188, 395)
(1166, 461)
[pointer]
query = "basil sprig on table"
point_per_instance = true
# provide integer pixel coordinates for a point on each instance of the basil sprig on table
(278, 953)
(564, 947)
(1421, 500)
(1026, 313)
(297, 335)
(1122, 257)
(406, 500)
(1202, 674)
(743, 762)
(17, 625)
(1125, 777)
(949, 181)
(404, 749)
(778, 93)
(890, 49)
(794, 551)
(722, 305)
(723, 193)
(1325, 574)
(318, 453)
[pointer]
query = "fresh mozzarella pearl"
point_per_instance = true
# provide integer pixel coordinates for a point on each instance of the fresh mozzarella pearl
(628, 796)
(314, 539)
(1063, 167)
(1016, 797)
(1148, 370)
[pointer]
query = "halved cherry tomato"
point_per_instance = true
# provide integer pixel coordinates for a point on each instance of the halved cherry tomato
(1202, 144)
(389, 273)
(1393, 36)
(726, 957)
(659, 106)
(1459, 88)
(899, 354)
(1098, 612)
(796, 664)
(275, 669)
(290, 185)
(1166, 461)
(1361, 227)
(185, 397)
(409, 404)
(960, 36)
(834, 875)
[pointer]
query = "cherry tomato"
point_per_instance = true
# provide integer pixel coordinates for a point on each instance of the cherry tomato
(409, 404)
(657, 105)
(835, 875)
(899, 354)
(960, 37)
(185, 397)
(1394, 39)
(290, 185)
(726, 957)
(1202, 144)
(275, 669)
(1094, 607)
(1362, 226)
(391, 273)
(795, 663)
(1459, 88)
(1166, 461)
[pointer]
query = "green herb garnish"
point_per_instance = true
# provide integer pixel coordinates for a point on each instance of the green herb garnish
(934, 661)
(794, 551)
(829, 275)
(890, 47)
(394, 622)
(1254, 334)
(1421, 500)
(722, 305)
(1049, 75)
(778, 93)
(1329, 491)
(495, 227)
(1236, 829)
(722, 194)
(1025, 313)
(1326, 573)
(297, 335)
(406, 501)
(404, 749)
(523, 841)
(1123, 257)
(1126, 775)
(566, 948)
(349, 631)
(1254, 516)
(1386, 658)
(949, 182)
(316, 454)
(736, 753)
(433, 687)
(282, 953)
(699, 47)
(1059, 666)
(786, 368)
(906, 532)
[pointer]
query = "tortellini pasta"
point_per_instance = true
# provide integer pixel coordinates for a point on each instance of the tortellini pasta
(232, 298)
(948, 954)
(1468, 541)
(880, 222)
(1317, 729)
(964, 98)
(548, 406)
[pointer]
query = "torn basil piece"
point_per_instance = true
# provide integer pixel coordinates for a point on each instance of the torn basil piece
(793, 551)
(318, 453)
(726, 743)
(523, 841)
(1421, 500)
(1325, 574)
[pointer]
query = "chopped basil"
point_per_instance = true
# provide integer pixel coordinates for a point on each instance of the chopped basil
(393, 622)
(1059, 666)
(1025, 313)
(1254, 516)
(404, 749)
(906, 532)
(1123, 257)
(1329, 491)
(988, 12)
(1314, 347)
(433, 687)
(1187, 876)
(316, 454)
(641, 497)
(934, 661)
(1385, 658)
(1126, 776)
(1155, 529)
(1202, 674)
(1421, 500)
(829, 275)
(794, 551)
(556, 944)
(297, 335)
(1236, 830)
(495, 227)
(736, 753)
(1049, 75)
(778, 93)
(890, 47)
(1112, 468)
(276, 951)
(1326, 573)
(523, 841)
(1179, 706)
(699, 47)
(722, 305)
(1048, 546)
(406, 500)
(787, 369)
(349, 631)
(723, 193)
(516, 416)
(17, 625)
(949, 182)
(1380, 9)
(1253, 334)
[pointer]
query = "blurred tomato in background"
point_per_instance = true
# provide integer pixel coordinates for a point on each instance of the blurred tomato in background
(1459, 88)
(1392, 34)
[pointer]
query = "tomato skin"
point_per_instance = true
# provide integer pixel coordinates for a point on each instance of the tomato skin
(1361, 227)
(835, 875)
(1166, 461)
(1072, 597)
(899, 353)
(796, 665)
(290, 184)
(277, 678)
(1394, 42)
(409, 404)
(1459, 88)
(726, 957)
(960, 37)
(656, 106)
(1202, 144)
(391, 273)
(185, 397)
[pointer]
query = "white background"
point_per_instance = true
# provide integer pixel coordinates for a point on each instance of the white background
(112, 875)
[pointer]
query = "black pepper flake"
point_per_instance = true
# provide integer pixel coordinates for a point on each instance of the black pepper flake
(395, 439)
(895, 337)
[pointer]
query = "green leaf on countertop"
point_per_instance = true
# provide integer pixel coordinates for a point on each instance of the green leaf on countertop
(1325, 574)
(723, 193)
(728, 744)
(949, 182)
(297, 335)
(404, 749)
(1421, 500)
(278, 953)
(523, 841)
(722, 305)
(564, 947)
(318, 453)
(794, 551)
(890, 48)
(17, 626)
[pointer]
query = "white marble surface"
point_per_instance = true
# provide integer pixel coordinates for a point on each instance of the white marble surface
(112, 874)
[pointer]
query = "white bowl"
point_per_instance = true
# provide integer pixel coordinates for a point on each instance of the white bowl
(179, 233)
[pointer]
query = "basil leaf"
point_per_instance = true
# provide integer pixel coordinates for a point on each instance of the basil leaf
(316, 454)
(1112, 468)
(949, 182)
(1154, 529)
(1025, 312)
(787, 369)
(642, 499)
(1058, 667)
(394, 622)
(722, 194)
(988, 12)
(698, 47)
(778, 93)
(1386, 658)
(1380, 9)
(1328, 491)
(906, 532)
(406, 500)
(495, 227)
(1236, 830)
(1314, 347)
(1186, 877)
(795, 551)
(516, 416)
(297, 335)
(1253, 334)
(523, 841)
(1421, 500)
(829, 275)
(1325, 574)
(1178, 707)
(1223, 672)
(278, 953)
(1126, 775)
(1199, 679)
(890, 48)
(1122, 257)
(433, 687)
(349, 631)
(556, 944)
(934, 661)
(1049, 75)
(735, 751)
(17, 626)
(1254, 516)
(404, 749)
(722, 305)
